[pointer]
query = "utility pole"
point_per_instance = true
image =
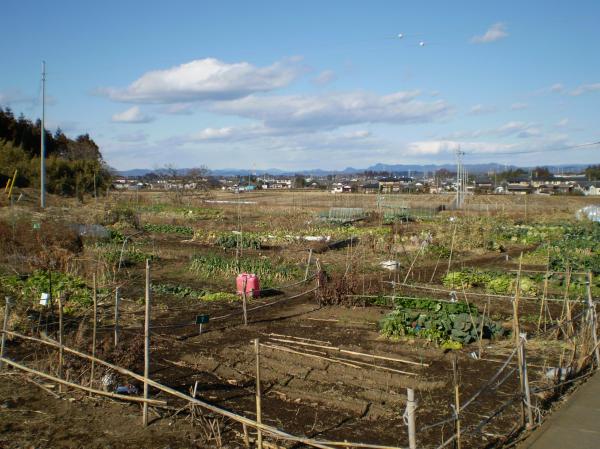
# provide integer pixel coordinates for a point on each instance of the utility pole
(460, 179)
(43, 142)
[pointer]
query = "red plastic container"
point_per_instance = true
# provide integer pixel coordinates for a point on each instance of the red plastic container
(252, 284)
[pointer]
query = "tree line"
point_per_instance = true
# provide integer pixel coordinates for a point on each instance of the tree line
(73, 166)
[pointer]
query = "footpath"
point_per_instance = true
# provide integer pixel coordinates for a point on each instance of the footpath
(575, 425)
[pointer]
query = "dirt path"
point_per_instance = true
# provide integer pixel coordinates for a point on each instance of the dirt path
(574, 425)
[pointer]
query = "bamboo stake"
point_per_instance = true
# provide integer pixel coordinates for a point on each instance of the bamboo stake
(346, 351)
(273, 334)
(413, 263)
(117, 303)
(341, 361)
(410, 417)
(456, 400)
(146, 344)
(314, 356)
(318, 295)
(259, 444)
(567, 304)
(525, 382)
(47, 390)
(7, 304)
(516, 303)
(60, 340)
(592, 319)
(246, 437)
(244, 305)
(82, 387)
(435, 268)
(95, 299)
(310, 252)
(451, 249)
(544, 294)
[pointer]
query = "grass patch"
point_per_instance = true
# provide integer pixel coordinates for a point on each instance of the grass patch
(270, 273)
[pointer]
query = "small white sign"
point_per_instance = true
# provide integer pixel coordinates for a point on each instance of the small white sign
(44, 299)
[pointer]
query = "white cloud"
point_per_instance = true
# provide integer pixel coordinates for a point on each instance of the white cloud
(480, 109)
(205, 79)
(360, 134)
(562, 123)
(131, 115)
(333, 110)
(325, 77)
(496, 32)
(556, 88)
(214, 134)
(519, 129)
(519, 106)
(584, 89)
(437, 147)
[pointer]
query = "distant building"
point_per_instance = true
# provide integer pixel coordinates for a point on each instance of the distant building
(518, 189)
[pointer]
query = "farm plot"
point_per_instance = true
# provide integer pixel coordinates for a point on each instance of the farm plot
(341, 340)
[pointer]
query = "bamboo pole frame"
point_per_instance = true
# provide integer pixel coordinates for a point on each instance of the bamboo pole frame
(323, 444)
(121, 397)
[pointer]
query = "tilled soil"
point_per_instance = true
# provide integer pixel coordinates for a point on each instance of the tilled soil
(303, 393)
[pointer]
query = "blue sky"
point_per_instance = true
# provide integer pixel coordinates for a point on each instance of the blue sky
(310, 84)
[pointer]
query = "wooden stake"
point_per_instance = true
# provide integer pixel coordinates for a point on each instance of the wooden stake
(410, 415)
(516, 303)
(435, 269)
(592, 319)
(146, 344)
(318, 295)
(451, 250)
(95, 299)
(7, 304)
(413, 263)
(567, 304)
(525, 382)
(259, 444)
(544, 294)
(244, 304)
(60, 341)
(456, 400)
(310, 251)
(117, 303)
(246, 437)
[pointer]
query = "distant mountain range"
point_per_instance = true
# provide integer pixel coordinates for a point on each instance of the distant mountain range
(388, 168)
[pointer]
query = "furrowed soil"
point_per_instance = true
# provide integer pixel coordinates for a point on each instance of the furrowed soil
(305, 392)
